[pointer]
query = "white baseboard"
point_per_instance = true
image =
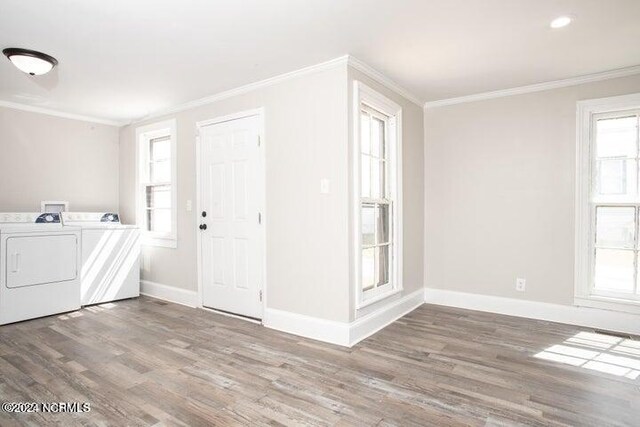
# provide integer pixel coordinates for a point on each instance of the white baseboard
(307, 326)
(371, 323)
(572, 315)
(342, 333)
(169, 293)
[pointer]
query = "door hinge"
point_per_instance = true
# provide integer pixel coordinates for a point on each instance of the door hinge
(259, 217)
(259, 141)
(260, 293)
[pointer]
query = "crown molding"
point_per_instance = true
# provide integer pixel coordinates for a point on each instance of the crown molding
(538, 87)
(345, 60)
(383, 80)
(342, 60)
(56, 113)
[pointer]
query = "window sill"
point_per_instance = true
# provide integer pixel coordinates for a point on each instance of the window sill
(377, 298)
(608, 303)
(162, 242)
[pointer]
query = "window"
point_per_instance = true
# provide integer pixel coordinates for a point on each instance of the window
(156, 194)
(377, 205)
(608, 252)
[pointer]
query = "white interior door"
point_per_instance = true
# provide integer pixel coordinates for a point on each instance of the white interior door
(231, 191)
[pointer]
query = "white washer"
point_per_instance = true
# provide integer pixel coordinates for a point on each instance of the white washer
(110, 256)
(39, 260)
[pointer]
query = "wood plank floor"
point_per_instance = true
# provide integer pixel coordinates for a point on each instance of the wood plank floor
(147, 362)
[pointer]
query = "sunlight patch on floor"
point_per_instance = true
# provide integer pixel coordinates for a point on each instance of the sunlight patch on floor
(604, 353)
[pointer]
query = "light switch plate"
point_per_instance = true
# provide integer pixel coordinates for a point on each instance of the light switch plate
(146, 263)
(325, 186)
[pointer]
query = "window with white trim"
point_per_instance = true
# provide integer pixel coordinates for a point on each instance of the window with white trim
(156, 178)
(608, 221)
(615, 204)
(378, 189)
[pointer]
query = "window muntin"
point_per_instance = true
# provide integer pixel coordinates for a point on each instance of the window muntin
(156, 214)
(615, 205)
(376, 203)
(158, 186)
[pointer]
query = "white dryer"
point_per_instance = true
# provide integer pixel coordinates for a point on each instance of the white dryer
(39, 262)
(110, 256)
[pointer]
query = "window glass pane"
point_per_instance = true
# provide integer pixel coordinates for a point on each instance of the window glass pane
(615, 227)
(159, 220)
(617, 137)
(365, 133)
(382, 265)
(382, 224)
(365, 168)
(160, 171)
(160, 149)
(368, 267)
(159, 196)
(614, 270)
(616, 178)
(368, 224)
(376, 179)
(383, 180)
(377, 137)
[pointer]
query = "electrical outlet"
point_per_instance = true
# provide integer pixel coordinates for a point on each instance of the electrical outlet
(521, 284)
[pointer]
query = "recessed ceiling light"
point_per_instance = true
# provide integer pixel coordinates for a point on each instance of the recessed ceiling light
(30, 61)
(561, 21)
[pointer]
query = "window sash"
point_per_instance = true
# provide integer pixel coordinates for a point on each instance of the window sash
(160, 136)
(612, 200)
(380, 156)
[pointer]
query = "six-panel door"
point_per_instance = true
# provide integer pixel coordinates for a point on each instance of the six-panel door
(232, 250)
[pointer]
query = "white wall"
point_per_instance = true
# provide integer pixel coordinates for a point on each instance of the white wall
(499, 185)
(307, 232)
(44, 157)
(308, 136)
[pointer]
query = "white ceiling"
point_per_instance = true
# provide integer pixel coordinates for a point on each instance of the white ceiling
(124, 59)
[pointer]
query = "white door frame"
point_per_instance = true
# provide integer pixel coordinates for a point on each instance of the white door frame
(259, 112)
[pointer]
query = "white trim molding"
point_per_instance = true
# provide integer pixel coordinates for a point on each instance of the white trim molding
(364, 96)
(342, 60)
(342, 333)
(587, 111)
(383, 80)
(371, 323)
(316, 328)
(143, 135)
(56, 113)
(538, 87)
(169, 293)
(567, 314)
(345, 60)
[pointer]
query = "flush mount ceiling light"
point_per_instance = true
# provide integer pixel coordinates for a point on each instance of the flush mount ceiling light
(30, 61)
(561, 21)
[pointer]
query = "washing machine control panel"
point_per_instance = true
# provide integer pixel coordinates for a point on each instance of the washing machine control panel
(89, 217)
(29, 218)
(110, 217)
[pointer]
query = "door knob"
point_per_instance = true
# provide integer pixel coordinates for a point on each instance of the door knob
(203, 226)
